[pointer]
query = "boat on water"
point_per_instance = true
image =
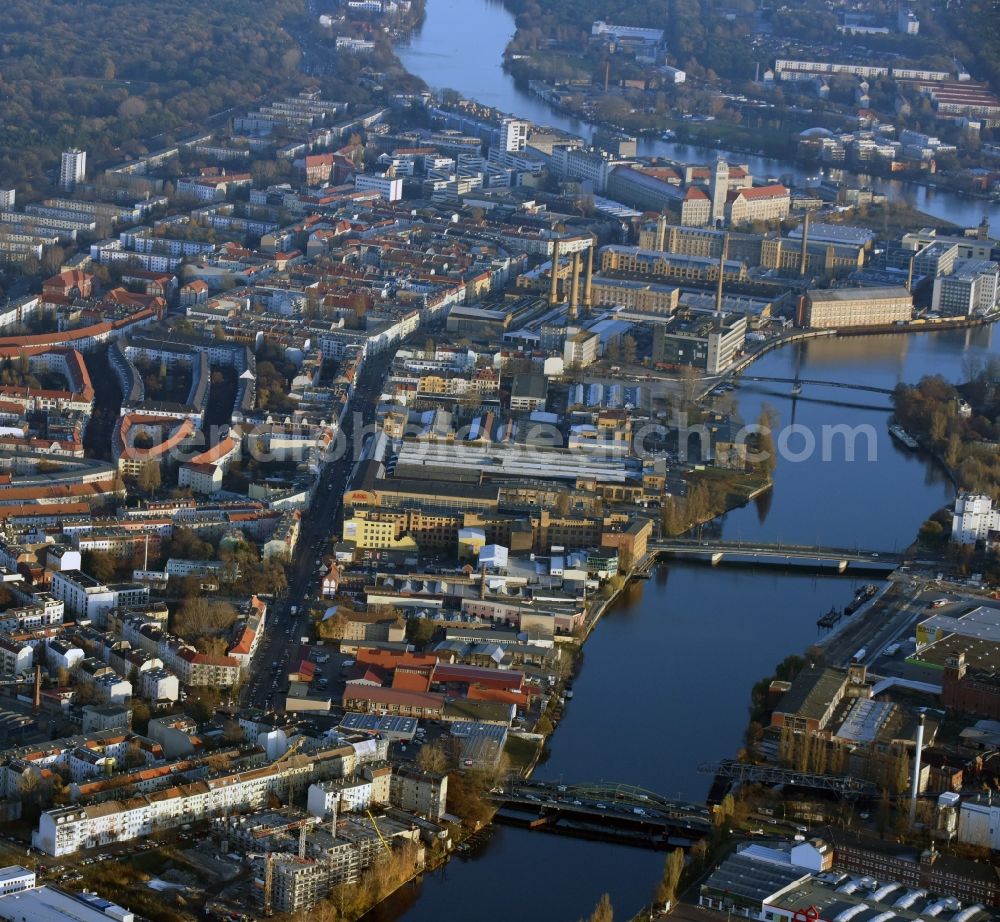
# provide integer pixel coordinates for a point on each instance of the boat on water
(860, 597)
(830, 618)
(904, 437)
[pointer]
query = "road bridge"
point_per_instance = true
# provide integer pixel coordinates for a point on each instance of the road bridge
(621, 812)
(769, 554)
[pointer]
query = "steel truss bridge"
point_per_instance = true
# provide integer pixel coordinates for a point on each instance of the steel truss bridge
(747, 773)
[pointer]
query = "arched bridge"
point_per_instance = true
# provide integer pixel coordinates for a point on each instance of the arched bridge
(602, 806)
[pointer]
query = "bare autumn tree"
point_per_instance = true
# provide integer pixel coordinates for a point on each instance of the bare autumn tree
(673, 868)
(696, 504)
(232, 732)
(100, 565)
(672, 517)
(432, 758)
(149, 477)
(198, 617)
(603, 911)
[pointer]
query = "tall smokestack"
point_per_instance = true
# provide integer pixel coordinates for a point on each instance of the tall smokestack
(909, 274)
(554, 282)
(804, 261)
(722, 271)
(588, 279)
(915, 783)
(574, 289)
(36, 698)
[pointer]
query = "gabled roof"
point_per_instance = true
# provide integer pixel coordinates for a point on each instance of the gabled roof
(759, 193)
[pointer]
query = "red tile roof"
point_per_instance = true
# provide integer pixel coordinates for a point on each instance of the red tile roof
(775, 190)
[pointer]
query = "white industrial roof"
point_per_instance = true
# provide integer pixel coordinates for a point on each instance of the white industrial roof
(46, 904)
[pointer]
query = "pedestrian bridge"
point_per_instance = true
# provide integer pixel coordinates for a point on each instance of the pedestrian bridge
(776, 555)
(847, 385)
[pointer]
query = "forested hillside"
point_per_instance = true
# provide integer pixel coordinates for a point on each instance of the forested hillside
(695, 31)
(98, 74)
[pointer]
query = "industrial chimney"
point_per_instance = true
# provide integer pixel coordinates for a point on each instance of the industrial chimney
(36, 698)
(661, 232)
(804, 261)
(574, 290)
(554, 282)
(588, 279)
(722, 271)
(915, 783)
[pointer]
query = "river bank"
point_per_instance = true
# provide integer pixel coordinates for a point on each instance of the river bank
(738, 139)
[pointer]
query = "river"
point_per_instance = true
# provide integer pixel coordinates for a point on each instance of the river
(461, 45)
(665, 679)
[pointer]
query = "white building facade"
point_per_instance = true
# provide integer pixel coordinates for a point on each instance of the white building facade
(974, 518)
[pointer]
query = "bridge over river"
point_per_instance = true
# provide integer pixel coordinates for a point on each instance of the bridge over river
(746, 773)
(760, 553)
(846, 385)
(618, 812)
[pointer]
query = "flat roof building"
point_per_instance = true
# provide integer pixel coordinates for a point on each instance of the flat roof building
(47, 904)
(836, 233)
(392, 727)
(505, 461)
(838, 308)
(971, 288)
(14, 879)
(528, 392)
(702, 340)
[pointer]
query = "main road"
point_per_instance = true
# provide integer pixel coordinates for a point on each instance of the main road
(287, 619)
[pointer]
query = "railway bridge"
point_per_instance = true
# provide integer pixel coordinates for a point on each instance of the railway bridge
(619, 812)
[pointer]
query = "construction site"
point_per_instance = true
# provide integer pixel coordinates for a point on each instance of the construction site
(297, 859)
